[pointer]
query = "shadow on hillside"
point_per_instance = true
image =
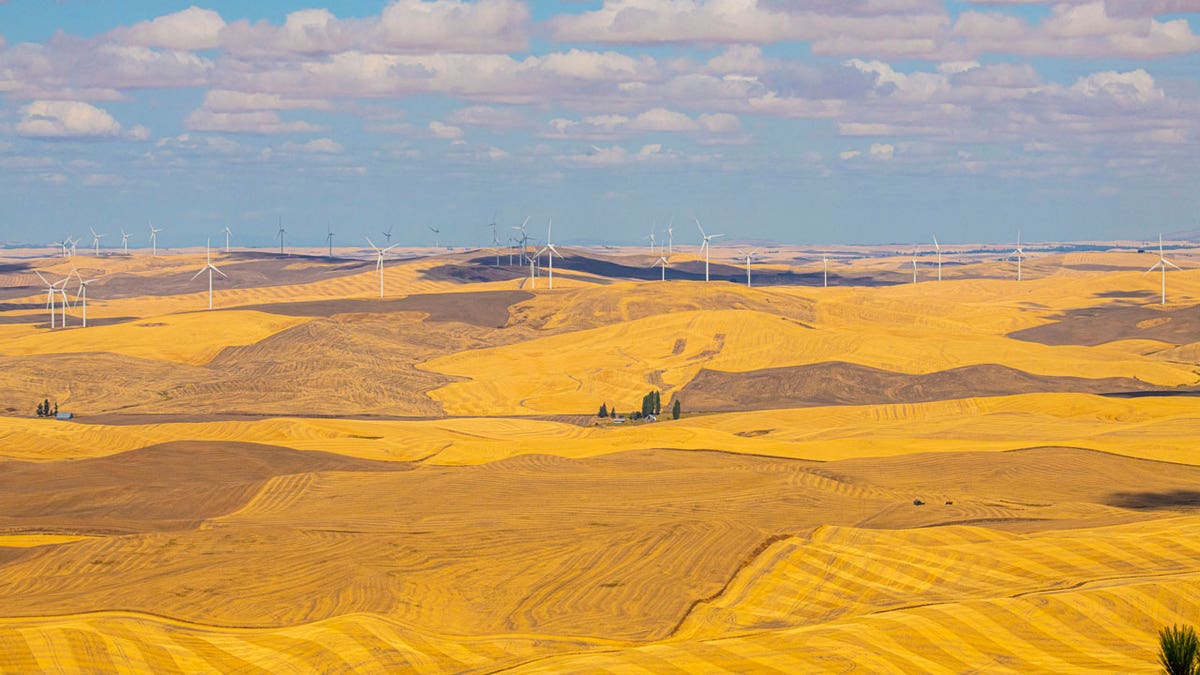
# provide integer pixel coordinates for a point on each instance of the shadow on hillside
(1175, 499)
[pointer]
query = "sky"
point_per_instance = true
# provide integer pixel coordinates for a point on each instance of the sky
(798, 121)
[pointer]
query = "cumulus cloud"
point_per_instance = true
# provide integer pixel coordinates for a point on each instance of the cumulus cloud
(319, 146)
(617, 155)
(224, 100)
(260, 122)
(66, 119)
(597, 127)
(188, 30)
(446, 131)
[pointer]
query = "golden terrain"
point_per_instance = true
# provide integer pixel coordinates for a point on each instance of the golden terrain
(309, 478)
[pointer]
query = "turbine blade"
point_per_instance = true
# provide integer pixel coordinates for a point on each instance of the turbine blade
(202, 271)
(1173, 265)
(214, 268)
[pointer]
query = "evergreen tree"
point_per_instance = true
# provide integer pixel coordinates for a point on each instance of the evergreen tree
(657, 402)
(41, 411)
(675, 410)
(55, 413)
(46, 406)
(603, 410)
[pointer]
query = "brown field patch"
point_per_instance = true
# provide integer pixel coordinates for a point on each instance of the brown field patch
(163, 487)
(485, 308)
(1097, 325)
(839, 383)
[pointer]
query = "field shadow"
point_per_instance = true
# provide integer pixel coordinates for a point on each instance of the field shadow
(1174, 499)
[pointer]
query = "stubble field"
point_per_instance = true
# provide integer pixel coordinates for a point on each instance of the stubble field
(309, 478)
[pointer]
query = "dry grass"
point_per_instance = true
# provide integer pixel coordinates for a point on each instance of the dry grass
(313, 480)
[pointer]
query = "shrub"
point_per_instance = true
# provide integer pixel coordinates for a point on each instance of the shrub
(1178, 650)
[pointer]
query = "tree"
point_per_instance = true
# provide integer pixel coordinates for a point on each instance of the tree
(41, 410)
(675, 410)
(46, 407)
(603, 410)
(648, 404)
(55, 413)
(1179, 650)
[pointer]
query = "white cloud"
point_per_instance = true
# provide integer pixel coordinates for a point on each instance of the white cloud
(224, 100)
(618, 155)
(188, 30)
(102, 179)
(321, 146)
(849, 154)
(260, 122)
(441, 130)
(66, 119)
(883, 151)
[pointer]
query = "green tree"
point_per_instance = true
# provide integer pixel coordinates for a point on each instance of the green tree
(46, 406)
(657, 402)
(675, 409)
(603, 410)
(55, 413)
(41, 410)
(1179, 650)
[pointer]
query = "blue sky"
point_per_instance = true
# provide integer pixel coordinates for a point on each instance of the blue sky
(803, 121)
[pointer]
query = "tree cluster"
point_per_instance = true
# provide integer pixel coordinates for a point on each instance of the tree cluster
(44, 409)
(651, 405)
(1179, 650)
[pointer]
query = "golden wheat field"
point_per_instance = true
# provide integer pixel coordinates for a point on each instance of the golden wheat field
(971, 475)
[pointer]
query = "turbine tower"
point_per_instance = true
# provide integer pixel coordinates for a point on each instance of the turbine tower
(96, 240)
(671, 236)
(1019, 253)
(387, 234)
(496, 241)
(937, 247)
(914, 265)
(210, 268)
(437, 236)
(379, 261)
(81, 294)
(1162, 264)
(124, 242)
(550, 252)
(51, 288)
(329, 238)
(706, 247)
(154, 238)
(280, 234)
(523, 241)
(651, 238)
(227, 233)
(748, 257)
(662, 262)
(825, 259)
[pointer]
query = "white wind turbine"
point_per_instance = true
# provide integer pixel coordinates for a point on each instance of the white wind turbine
(154, 238)
(671, 236)
(61, 246)
(937, 247)
(662, 262)
(825, 259)
(51, 288)
(280, 234)
(1019, 253)
(550, 252)
(227, 235)
(651, 238)
(1162, 264)
(74, 241)
(210, 268)
(748, 256)
(81, 294)
(379, 252)
(96, 240)
(706, 247)
(124, 242)
(437, 236)
(496, 242)
(523, 241)
(387, 234)
(329, 238)
(914, 265)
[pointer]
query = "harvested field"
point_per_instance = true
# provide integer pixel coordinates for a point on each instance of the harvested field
(488, 308)
(1098, 325)
(828, 384)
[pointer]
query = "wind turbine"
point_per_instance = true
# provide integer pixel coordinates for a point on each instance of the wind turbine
(705, 246)
(51, 288)
(937, 247)
(671, 236)
(379, 261)
(227, 233)
(74, 241)
(1019, 253)
(914, 265)
(61, 246)
(437, 236)
(387, 235)
(210, 268)
(81, 294)
(495, 241)
(124, 242)
(1162, 263)
(662, 262)
(329, 238)
(96, 240)
(280, 234)
(825, 259)
(651, 238)
(747, 256)
(154, 238)
(550, 252)
(524, 240)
